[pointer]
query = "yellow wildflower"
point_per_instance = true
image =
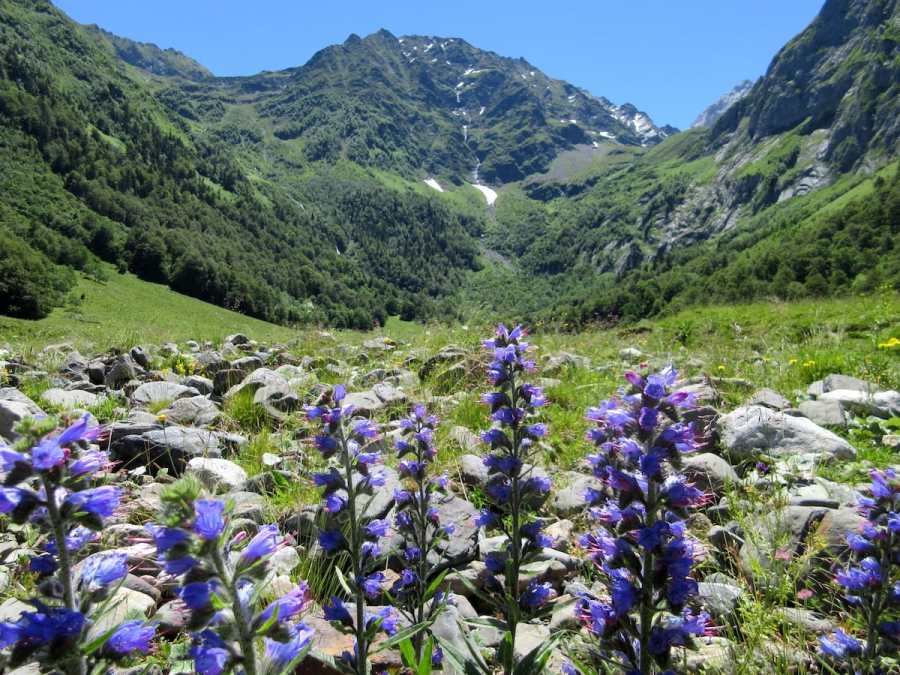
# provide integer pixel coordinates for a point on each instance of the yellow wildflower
(892, 343)
(792, 362)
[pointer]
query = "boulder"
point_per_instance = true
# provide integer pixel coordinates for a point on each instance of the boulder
(248, 505)
(557, 363)
(709, 472)
(69, 400)
(770, 399)
(122, 369)
(568, 499)
(465, 438)
(124, 604)
(256, 380)
(461, 545)
(202, 384)
(824, 413)
(140, 356)
(277, 400)
(14, 407)
(720, 600)
(834, 382)
(210, 363)
(217, 475)
(749, 430)
(171, 447)
(881, 403)
(777, 534)
(198, 411)
(473, 470)
(152, 393)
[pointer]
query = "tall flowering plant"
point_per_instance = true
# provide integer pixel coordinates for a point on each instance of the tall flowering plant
(223, 578)
(416, 593)
(513, 488)
(347, 488)
(47, 480)
(872, 584)
(641, 546)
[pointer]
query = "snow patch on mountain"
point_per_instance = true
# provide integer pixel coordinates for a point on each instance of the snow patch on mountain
(432, 183)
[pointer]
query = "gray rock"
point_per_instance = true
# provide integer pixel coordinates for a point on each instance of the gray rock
(248, 505)
(563, 617)
(465, 438)
(211, 363)
(247, 364)
(564, 360)
(237, 339)
(198, 411)
(169, 349)
(11, 609)
(225, 379)
(709, 472)
(202, 384)
(529, 636)
(217, 475)
(69, 400)
(719, 599)
(122, 369)
(561, 532)
(364, 402)
(836, 525)
(461, 545)
(256, 380)
(570, 488)
(881, 404)
(834, 382)
(171, 447)
(770, 399)
(140, 356)
(805, 619)
(125, 603)
(74, 366)
(630, 354)
(787, 527)
(473, 470)
(14, 407)
(752, 429)
(824, 413)
(278, 400)
(151, 393)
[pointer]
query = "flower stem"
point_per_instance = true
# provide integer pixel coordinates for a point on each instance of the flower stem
(245, 635)
(362, 648)
(512, 583)
(65, 565)
(647, 583)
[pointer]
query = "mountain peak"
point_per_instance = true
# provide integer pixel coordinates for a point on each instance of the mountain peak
(715, 110)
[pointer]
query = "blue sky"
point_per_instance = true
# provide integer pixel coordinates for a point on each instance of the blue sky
(670, 58)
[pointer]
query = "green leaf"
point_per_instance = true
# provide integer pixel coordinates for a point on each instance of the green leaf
(343, 580)
(425, 663)
(535, 660)
(401, 635)
(435, 584)
(469, 666)
(408, 653)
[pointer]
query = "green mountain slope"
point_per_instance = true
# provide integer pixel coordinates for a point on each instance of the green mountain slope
(311, 194)
(717, 213)
(100, 169)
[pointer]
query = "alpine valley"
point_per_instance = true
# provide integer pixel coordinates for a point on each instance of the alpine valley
(423, 177)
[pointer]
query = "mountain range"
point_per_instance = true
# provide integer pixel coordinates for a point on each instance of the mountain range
(353, 187)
